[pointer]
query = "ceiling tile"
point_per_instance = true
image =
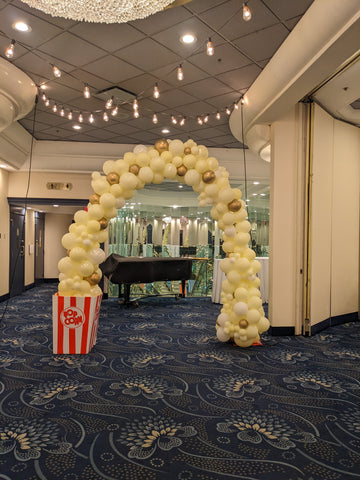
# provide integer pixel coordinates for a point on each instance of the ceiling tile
(264, 43)
(121, 128)
(110, 37)
(114, 69)
(56, 90)
(241, 78)
(39, 65)
(285, 9)
(169, 74)
(207, 88)
(161, 21)
(148, 54)
(201, 6)
(196, 108)
(176, 97)
(225, 58)
(62, 47)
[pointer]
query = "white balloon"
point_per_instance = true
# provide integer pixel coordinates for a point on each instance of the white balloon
(140, 149)
(97, 256)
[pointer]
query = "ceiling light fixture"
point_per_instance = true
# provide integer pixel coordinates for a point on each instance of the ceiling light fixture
(109, 103)
(135, 104)
(114, 111)
(218, 116)
(180, 73)
(155, 118)
(246, 12)
(54, 108)
(182, 121)
(188, 38)
(56, 71)
(76, 127)
(70, 115)
(136, 114)
(86, 91)
(165, 130)
(91, 118)
(209, 48)
(9, 52)
(80, 118)
(120, 11)
(62, 112)
(105, 117)
(173, 120)
(21, 27)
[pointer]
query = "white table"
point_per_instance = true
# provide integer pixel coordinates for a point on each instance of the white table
(219, 277)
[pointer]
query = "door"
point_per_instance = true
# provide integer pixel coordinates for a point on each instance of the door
(39, 247)
(17, 251)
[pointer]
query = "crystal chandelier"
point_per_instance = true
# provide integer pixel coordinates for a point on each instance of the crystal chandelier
(100, 11)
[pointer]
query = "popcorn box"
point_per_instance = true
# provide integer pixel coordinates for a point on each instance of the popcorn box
(75, 323)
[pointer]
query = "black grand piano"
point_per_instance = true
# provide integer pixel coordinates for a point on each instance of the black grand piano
(128, 270)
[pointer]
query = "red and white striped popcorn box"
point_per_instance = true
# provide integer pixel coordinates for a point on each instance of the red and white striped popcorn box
(75, 323)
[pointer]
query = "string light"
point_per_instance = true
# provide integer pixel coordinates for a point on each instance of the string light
(54, 108)
(135, 104)
(91, 118)
(109, 103)
(70, 115)
(242, 100)
(209, 48)
(56, 71)
(228, 111)
(114, 111)
(206, 118)
(105, 117)
(9, 52)
(47, 102)
(182, 121)
(199, 120)
(218, 116)
(236, 106)
(180, 73)
(80, 118)
(155, 118)
(43, 97)
(136, 114)
(246, 12)
(86, 91)
(62, 112)
(173, 120)
(156, 92)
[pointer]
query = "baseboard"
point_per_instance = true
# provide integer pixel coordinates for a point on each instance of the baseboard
(50, 280)
(282, 331)
(29, 287)
(332, 321)
(5, 297)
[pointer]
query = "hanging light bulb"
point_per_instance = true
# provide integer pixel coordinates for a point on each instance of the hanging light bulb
(109, 103)
(43, 97)
(91, 118)
(246, 12)
(156, 92)
(56, 71)
(80, 118)
(155, 118)
(242, 100)
(86, 91)
(47, 102)
(209, 48)
(199, 120)
(114, 111)
(180, 73)
(135, 104)
(105, 117)
(70, 115)
(173, 120)
(9, 52)
(182, 121)
(136, 114)
(206, 118)
(218, 116)
(62, 112)
(54, 108)
(228, 111)
(236, 106)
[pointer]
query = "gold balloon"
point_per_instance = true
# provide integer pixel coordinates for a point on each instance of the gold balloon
(93, 279)
(68, 252)
(234, 205)
(243, 323)
(134, 169)
(94, 198)
(187, 150)
(103, 223)
(181, 170)
(161, 145)
(208, 176)
(112, 178)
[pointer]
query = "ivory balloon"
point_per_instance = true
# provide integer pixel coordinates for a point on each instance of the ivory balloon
(97, 256)
(107, 200)
(146, 174)
(128, 181)
(140, 149)
(176, 147)
(222, 336)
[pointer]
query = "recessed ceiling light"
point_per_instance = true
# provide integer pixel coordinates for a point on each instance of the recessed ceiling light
(76, 127)
(55, 206)
(165, 130)
(188, 38)
(263, 194)
(3, 166)
(256, 183)
(254, 194)
(21, 27)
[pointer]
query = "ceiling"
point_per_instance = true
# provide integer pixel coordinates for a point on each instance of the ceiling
(135, 56)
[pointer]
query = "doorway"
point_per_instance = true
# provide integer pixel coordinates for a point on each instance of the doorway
(17, 250)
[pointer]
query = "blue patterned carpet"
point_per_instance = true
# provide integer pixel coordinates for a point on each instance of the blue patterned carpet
(159, 398)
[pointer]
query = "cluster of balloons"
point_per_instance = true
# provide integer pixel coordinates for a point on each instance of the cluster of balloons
(242, 316)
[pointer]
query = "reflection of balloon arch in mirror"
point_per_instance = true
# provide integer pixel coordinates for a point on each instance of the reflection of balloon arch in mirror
(242, 317)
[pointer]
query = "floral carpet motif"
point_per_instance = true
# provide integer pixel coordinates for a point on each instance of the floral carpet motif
(159, 398)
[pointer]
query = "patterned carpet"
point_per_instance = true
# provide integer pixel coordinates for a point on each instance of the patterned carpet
(159, 398)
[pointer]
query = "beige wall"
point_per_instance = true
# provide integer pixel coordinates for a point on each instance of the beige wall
(5, 233)
(334, 218)
(56, 225)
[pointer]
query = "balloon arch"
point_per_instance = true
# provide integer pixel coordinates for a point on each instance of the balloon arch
(242, 317)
